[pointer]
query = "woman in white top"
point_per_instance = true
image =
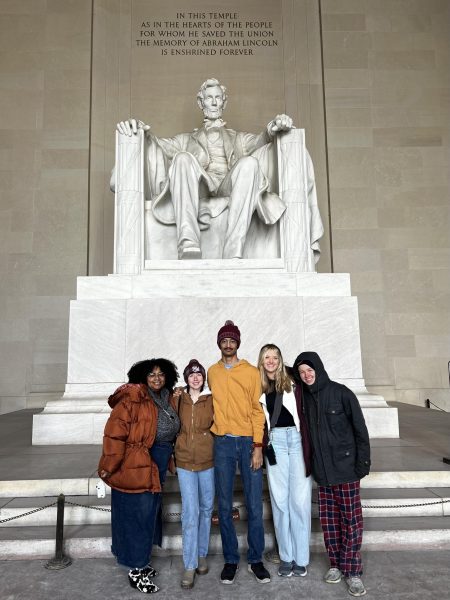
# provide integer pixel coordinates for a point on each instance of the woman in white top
(289, 478)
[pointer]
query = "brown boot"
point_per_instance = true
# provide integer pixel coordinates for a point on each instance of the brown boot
(202, 568)
(187, 581)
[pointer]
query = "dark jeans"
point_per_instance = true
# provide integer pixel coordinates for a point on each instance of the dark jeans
(229, 451)
(158, 452)
(134, 517)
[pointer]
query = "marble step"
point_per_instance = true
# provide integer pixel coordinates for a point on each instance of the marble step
(94, 541)
(77, 486)
(85, 486)
(386, 503)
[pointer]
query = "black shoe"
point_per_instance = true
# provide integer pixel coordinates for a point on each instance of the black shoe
(261, 574)
(133, 577)
(149, 571)
(298, 571)
(228, 574)
(140, 581)
(135, 574)
(146, 586)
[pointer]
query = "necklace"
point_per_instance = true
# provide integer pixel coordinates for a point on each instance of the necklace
(157, 402)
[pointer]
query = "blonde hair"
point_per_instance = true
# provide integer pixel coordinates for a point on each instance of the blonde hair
(282, 380)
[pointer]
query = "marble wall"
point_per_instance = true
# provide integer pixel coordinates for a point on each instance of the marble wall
(368, 80)
(44, 157)
(140, 81)
(386, 68)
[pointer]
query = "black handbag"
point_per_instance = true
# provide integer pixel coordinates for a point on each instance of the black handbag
(269, 453)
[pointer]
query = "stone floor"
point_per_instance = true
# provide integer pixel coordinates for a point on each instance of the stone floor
(389, 575)
(427, 428)
(418, 575)
(424, 440)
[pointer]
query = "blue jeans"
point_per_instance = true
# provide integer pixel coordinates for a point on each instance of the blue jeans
(290, 495)
(160, 453)
(229, 451)
(197, 497)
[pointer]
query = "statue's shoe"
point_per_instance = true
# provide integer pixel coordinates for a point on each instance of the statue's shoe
(190, 253)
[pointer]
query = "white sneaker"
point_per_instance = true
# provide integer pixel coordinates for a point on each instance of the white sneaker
(355, 586)
(333, 575)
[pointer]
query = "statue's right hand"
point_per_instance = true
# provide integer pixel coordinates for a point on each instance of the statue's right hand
(130, 127)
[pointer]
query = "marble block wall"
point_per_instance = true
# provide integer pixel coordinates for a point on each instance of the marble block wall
(376, 126)
(120, 319)
(44, 150)
(386, 68)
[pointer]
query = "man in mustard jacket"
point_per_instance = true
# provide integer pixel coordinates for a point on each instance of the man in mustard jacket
(238, 429)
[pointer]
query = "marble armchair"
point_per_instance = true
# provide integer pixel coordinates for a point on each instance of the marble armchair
(141, 242)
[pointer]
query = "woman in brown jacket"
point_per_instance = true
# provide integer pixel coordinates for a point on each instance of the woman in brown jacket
(137, 446)
(194, 459)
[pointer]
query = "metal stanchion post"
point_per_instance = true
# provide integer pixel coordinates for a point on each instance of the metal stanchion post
(59, 561)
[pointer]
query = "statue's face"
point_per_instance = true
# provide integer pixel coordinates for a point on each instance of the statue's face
(212, 102)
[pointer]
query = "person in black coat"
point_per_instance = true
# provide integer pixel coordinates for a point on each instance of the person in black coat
(340, 459)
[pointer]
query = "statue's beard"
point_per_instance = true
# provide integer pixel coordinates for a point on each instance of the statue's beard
(212, 113)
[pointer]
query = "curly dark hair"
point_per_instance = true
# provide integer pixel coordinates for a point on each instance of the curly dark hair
(139, 371)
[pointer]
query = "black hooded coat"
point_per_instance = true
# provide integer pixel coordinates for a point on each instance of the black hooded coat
(338, 432)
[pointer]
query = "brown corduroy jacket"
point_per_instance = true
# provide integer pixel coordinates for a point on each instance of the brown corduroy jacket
(129, 434)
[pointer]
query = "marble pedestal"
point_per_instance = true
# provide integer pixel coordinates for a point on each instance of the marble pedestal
(175, 309)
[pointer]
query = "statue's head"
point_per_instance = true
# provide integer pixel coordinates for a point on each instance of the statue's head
(212, 98)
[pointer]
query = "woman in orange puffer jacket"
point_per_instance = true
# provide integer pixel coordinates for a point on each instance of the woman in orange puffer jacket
(137, 446)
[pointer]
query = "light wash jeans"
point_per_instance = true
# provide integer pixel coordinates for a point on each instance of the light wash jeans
(197, 499)
(290, 494)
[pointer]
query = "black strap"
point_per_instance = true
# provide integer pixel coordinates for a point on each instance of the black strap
(278, 405)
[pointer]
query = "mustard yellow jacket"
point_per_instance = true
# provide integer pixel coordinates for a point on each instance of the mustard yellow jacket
(236, 394)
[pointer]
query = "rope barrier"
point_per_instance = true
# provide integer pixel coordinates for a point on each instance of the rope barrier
(265, 500)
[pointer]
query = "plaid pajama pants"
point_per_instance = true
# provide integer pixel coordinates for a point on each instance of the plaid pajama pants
(341, 519)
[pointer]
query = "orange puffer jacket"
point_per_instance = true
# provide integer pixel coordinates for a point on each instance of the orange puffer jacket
(129, 433)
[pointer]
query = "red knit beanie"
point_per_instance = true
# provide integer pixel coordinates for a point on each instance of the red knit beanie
(229, 330)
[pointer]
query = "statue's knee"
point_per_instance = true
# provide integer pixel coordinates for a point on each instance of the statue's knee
(183, 159)
(249, 164)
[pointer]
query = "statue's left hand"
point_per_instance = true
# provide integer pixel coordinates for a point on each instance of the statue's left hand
(280, 123)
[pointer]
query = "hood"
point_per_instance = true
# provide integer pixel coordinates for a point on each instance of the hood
(321, 375)
(132, 391)
(241, 364)
(205, 392)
